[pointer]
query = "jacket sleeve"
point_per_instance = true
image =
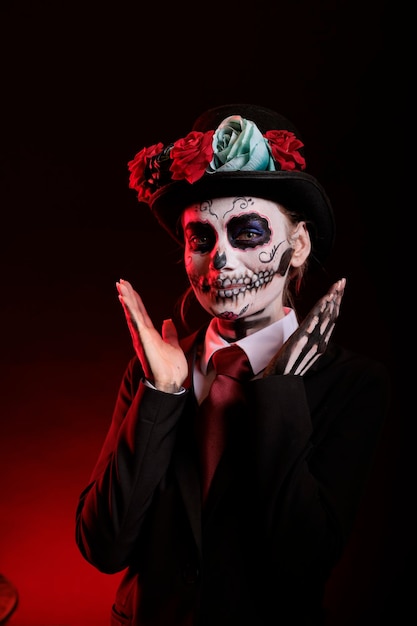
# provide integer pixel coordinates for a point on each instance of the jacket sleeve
(315, 438)
(132, 462)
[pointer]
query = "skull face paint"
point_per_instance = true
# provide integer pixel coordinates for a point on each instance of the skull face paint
(237, 256)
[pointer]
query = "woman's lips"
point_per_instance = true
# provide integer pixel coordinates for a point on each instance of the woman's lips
(229, 287)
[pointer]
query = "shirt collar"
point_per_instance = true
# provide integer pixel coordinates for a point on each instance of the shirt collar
(260, 347)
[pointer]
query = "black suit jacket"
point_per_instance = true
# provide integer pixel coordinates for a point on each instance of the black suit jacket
(279, 513)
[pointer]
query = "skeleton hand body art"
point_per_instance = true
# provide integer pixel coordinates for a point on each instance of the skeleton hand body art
(311, 338)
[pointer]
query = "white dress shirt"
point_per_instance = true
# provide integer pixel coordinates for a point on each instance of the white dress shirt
(260, 347)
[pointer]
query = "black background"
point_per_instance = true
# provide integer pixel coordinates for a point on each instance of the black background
(84, 86)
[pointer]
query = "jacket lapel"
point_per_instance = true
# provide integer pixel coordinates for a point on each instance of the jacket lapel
(186, 460)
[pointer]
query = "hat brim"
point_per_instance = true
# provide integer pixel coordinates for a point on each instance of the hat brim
(297, 191)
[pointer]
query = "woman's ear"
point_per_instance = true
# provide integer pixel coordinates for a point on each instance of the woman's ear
(301, 244)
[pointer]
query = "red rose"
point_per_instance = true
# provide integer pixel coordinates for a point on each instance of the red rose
(137, 167)
(191, 155)
(285, 149)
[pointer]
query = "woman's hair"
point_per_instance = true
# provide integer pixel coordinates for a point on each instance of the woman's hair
(183, 305)
(295, 275)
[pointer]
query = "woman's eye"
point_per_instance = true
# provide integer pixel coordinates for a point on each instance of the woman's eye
(200, 243)
(248, 235)
(195, 242)
(248, 231)
(200, 237)
(248, 238)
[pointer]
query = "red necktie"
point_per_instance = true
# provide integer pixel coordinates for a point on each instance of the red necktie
(223, 402)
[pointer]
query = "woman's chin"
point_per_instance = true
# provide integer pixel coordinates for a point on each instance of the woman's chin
(229, 313)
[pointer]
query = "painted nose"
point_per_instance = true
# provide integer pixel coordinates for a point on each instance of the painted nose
(223, 256)
(219, 260)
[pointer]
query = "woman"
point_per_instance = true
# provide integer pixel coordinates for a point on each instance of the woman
(250, 535)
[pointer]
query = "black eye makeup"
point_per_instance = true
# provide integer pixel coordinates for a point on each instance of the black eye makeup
(248, 231)
(200, 237)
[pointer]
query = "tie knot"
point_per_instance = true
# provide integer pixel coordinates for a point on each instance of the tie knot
(232, 361)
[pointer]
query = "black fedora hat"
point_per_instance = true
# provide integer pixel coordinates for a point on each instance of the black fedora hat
(236, 149)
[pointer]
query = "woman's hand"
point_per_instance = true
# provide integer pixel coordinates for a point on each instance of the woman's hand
(163, 361)
(310, 339)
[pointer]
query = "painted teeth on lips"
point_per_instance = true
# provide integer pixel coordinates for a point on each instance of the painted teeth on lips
(227, 287)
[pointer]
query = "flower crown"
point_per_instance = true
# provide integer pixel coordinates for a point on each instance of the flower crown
(236, 145)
